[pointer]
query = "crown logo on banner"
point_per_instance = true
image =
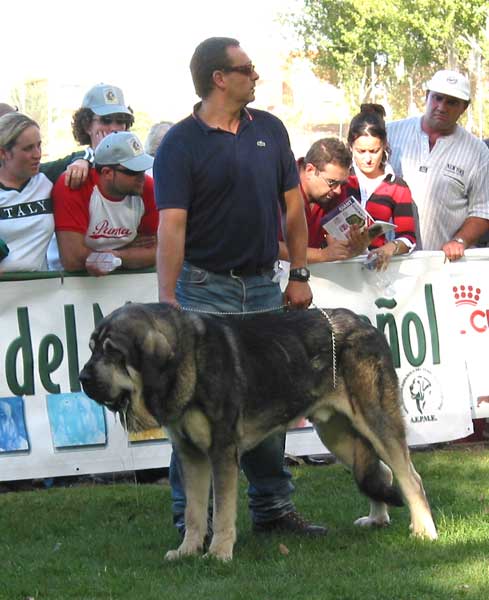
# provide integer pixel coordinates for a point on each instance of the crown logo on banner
(466, 294)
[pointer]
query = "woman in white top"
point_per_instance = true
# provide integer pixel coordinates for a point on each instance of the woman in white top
(26, 213)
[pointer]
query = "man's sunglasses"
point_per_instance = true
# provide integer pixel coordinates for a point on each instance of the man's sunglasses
(247, 70)
(127, 172)
(108, 120)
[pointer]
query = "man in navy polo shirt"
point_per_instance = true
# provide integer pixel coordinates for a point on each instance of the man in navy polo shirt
(221, 175)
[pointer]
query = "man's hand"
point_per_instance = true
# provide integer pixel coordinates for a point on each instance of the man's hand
(168, 299)
(358, 240)
(298, 295)
(97, 136)
(77, 173)
(95, 271)
(337, 249)
(453, 250)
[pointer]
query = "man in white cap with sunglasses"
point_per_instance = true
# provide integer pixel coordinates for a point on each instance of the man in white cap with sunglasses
(445, 166)
(112, 212)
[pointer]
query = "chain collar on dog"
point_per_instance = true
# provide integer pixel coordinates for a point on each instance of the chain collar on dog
(274, 309)
(234, 314)
(333, 341)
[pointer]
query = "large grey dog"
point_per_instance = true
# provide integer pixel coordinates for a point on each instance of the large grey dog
(221, 385)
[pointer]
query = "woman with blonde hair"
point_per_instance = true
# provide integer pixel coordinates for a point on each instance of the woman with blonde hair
(26, 214)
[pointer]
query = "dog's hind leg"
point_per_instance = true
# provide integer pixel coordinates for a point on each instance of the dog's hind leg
(392, 448)
(373, 477)
(397, 456)
(197, 477)
(225, 485)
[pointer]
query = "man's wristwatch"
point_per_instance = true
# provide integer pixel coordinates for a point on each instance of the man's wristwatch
(300, 274)
(460, 241)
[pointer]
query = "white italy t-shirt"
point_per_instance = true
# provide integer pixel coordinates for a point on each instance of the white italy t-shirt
(26, 224)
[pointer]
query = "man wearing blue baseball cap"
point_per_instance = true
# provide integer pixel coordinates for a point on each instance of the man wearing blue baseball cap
(445, 166)
(103, 111)
(112, 212)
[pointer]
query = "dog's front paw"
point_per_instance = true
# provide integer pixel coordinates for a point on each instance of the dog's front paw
(379, 521)
(183, 550)
(224, 552)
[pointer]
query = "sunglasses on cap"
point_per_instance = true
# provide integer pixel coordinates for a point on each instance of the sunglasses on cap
(248, 69)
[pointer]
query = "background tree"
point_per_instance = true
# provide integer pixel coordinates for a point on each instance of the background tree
(385, 51)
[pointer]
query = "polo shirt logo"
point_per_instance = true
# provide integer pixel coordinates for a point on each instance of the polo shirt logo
(261, 144)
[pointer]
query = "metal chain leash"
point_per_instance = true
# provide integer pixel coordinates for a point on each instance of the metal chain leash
(217, 313)
(333, 340)
(274, 309)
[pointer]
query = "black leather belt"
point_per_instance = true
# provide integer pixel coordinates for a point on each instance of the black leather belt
(247, 271)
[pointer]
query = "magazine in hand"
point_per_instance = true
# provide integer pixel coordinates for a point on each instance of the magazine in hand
(337, 222)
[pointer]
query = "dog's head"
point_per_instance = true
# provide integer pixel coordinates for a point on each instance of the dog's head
(134, 363)
(420, 390)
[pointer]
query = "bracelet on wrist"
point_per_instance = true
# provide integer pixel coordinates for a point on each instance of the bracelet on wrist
(459, 240)
(397, 246)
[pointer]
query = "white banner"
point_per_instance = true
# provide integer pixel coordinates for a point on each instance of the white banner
(49, 428)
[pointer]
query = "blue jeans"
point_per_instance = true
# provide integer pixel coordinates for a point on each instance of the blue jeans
(270, 485)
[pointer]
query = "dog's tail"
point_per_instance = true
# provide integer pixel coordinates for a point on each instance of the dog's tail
(373, 477)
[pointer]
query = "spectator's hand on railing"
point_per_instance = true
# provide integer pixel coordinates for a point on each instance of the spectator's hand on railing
(95, 272)
(384, 255)
(454, 250)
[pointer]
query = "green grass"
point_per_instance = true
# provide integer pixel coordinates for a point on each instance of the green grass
(108, 541)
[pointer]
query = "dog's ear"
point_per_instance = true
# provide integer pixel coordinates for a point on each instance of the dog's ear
(157, 373)
(155, 344)
(109, 347)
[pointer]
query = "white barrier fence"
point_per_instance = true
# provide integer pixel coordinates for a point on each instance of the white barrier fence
(435, 317)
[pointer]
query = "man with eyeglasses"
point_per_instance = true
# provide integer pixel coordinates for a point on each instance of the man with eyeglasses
(323, 172)
(113, 211)
(220, 176)
(445, 167)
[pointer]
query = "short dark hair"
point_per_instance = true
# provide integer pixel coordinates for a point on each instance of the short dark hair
(82, 119)
(328, 150)
(209, 56)
(369, 121)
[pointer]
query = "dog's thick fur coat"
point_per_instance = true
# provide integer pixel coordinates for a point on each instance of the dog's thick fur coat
(221, 385)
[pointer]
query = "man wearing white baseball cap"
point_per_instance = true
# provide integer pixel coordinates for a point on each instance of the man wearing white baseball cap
(445, 166)
(112, 212)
